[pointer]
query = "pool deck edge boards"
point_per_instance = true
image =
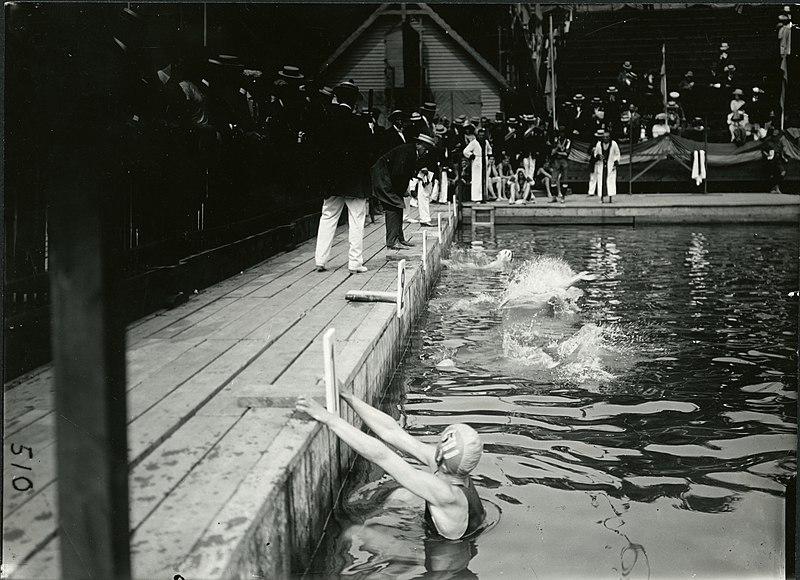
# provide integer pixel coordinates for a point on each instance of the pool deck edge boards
(581, 209)
(226, 479)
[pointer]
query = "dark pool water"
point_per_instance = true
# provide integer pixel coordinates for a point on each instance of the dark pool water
(639, 425)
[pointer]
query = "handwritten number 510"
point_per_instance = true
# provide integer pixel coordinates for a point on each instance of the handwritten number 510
(22, 482)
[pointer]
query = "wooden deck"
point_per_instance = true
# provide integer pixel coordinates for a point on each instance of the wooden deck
(195, 454)
(642, 208)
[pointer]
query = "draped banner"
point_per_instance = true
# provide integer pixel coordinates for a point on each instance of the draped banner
(717, 154)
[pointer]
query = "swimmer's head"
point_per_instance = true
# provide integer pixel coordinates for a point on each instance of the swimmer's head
(504, 255)
(459, 449)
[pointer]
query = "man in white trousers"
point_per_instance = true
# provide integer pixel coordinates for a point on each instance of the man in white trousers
(346, 162)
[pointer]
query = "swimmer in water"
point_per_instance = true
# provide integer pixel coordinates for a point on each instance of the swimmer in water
(538, 299)
(453, 508)
(501, 261)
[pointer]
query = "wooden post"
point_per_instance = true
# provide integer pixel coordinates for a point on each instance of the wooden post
(329, 366)
(401, 286)
(81, 88)
(439, 226)
(424, 251)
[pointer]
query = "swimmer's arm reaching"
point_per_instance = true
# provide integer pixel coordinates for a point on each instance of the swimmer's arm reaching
(580, 276)
(421, 483)
(389, 431)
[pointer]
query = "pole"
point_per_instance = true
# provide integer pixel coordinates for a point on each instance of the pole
(424, 251)
(630, 155)
(205, 25)
(705, 148)
(87, 293)
(551, 60)
(329, 366)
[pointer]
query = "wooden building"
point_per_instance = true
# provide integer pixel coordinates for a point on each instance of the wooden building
(405, 54)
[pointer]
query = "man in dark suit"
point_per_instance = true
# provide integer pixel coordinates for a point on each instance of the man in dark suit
(427, 112)
(345, 161)
(394, 135)
(390, 177)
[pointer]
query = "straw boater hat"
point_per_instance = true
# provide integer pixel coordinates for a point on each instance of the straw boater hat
(757, 91)
(724, 46)
(578, 98)
(346, 92)
(511, 121)
(291, 73)
(425, 140)
(627, 65)
(672, 105)
(729, 68)
(738, 92)
(327, 91)
(611, 90)
(395, 114)
(528, 118)
(428, 106)
(661, 116)
(461, 119)
(415, 117)
(674, 95)
(439, 130)
(599, 133)
(689, 74)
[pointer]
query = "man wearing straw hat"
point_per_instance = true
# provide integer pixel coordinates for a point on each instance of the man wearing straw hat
(346, 180)
(453, 508)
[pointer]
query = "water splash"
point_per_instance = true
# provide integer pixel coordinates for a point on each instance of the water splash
(543, 281)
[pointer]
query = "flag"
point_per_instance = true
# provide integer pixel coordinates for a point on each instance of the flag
(664, 75)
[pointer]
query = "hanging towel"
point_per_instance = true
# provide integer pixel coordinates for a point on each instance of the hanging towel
(699, 166)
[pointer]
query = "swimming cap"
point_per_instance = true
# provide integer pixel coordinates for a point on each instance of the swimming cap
(459, 449)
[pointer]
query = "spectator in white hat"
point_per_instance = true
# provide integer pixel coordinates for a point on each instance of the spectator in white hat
(737, 102)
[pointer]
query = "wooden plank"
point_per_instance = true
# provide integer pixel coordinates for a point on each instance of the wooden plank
(160, 543)
(29, 531)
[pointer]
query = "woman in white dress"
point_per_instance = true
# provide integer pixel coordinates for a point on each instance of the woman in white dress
(474, 152)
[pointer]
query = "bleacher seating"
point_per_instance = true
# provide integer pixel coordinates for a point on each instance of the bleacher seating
(599, 42)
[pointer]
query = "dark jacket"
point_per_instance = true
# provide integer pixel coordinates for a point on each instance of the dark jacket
(392, 172)
(346, 154)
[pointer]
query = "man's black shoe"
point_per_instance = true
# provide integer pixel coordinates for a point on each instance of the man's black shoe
(407, 244)
(395, 247)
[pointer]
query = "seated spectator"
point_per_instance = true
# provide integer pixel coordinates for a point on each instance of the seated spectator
(544, 176)
(737, 125)
(696, 130)
(631, 122)
(506, 172)
(494, 185)
(660, 127)
(524, 184)
(513, 191)
(674, 119)
(758, 114)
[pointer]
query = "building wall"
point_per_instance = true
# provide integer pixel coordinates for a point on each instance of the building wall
(452, 74)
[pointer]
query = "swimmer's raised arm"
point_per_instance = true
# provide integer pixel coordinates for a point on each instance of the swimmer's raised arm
(387, 429)
(420, 483)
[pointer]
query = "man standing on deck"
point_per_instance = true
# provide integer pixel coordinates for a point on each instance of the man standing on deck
(606, 157)
(453, 508)
(391, 174)
(346, 179)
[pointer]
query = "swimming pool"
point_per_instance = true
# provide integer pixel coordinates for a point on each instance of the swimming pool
(639, 425)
